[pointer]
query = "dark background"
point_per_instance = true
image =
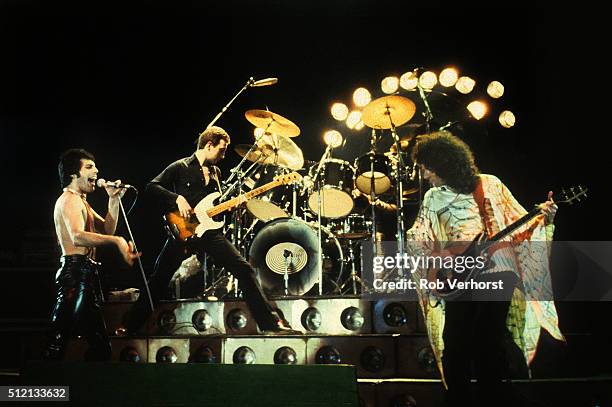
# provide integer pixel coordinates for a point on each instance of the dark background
(135, 85)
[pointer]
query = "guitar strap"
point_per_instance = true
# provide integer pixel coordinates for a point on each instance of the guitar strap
(480, 201)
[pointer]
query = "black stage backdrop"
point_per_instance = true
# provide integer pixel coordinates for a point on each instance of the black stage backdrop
(135, 85)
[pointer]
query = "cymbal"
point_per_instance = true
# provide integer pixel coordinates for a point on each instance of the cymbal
(272, 122)
(379, 113)
(281, 150)
(273, 150)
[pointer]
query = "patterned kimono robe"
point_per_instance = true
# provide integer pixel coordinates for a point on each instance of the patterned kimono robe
(448, 216)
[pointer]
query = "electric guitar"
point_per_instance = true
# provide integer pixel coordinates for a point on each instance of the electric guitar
(202, 217)
(447, 281)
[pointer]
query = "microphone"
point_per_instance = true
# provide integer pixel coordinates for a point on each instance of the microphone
(264, 82)
(102, 183)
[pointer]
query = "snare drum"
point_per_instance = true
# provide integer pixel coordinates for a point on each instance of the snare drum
(381, 174)
(336, 200)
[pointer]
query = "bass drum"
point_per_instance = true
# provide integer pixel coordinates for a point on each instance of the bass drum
(292, 245)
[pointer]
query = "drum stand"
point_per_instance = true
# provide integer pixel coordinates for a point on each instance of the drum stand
(319, 185)
(353, 278)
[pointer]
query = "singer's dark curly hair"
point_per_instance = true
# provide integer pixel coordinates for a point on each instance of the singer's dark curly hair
(213, 134)
(450, 158)
(70, 163)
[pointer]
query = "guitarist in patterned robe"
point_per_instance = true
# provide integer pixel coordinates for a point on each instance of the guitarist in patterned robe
(472, 328)
(181, 186)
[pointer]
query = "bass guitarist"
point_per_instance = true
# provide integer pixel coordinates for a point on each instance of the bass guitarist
(181, 186)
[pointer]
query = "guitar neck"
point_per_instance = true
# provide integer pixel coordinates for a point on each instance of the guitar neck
(227, 205)
(526, 218)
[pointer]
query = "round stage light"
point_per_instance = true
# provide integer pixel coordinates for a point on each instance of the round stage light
(409, 81)
(428, 80)
(395, 315)
(328, 355)
(311, 319)
(129, 354)
(237, 319)
(448, 77)
(465, 85)
(244, 356)
(390, 84)
(166, 354)
(353, 119)
(166, 321)
(285, 356)
(352, 319)
(339, 111)
(427, 360)
(373, 359)
(333, 138)
(361, 97)
(495, 89)
(201, 319)
(507, 119)
(477, 109)
(204, 354)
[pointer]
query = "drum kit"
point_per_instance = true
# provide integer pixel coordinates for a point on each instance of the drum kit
(307, 233)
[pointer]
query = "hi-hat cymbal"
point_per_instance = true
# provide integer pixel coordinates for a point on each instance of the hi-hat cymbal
(272, 122)
(382, 112)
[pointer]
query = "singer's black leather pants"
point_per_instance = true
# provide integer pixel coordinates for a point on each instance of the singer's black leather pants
(77, 310)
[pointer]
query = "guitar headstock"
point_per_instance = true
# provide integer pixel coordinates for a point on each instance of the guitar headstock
(288, 178)
(573, 194)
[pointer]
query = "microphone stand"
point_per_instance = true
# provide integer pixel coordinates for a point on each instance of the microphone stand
(236, 169)
(428, 120)
(248, 84)
(144, 277)
(428, 115)
(400, 194)
(373, 192)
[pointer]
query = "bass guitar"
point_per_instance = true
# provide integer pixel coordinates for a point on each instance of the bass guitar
(202, 217)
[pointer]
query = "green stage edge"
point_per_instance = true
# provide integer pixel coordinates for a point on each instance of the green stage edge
(212, 385)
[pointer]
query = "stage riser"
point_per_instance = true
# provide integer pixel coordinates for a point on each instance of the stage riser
(375, 317)
(375, 356)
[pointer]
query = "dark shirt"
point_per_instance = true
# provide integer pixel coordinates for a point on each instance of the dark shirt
(183, 177)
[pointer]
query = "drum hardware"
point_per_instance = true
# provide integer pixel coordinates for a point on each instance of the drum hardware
(354, 279)
(388, 112)
(287, 253)
(317, 179)
(267, 148)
